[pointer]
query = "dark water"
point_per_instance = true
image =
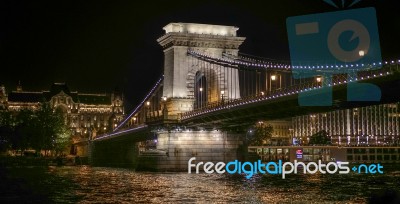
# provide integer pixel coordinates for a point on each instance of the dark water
(86, 184)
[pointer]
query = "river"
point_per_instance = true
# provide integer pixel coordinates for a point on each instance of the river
(85, 184)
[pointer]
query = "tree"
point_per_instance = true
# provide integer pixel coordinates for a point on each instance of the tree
(6, 129)
(43, 129)
(62, 141)
(320, 138)
(53, 134)
(261, 134)
(21, 135)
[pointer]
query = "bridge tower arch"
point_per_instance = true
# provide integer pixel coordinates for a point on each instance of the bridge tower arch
(181, 72)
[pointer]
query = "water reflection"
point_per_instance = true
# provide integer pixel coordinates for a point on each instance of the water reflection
(109, 185)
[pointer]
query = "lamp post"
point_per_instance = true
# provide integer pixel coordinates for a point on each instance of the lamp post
(201, 97)
(274, 77)
(164, 108)
(361, 53)
(148, 109)
(319, 79)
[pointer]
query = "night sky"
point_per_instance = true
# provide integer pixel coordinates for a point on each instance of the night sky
(97, 46)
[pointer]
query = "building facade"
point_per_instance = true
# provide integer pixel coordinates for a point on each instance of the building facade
(281, 131)
(370, 125)
(87, 115)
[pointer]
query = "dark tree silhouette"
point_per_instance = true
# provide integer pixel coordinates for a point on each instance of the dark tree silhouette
(42, 129)
(320, 138)
(6, 130)
(261, 134)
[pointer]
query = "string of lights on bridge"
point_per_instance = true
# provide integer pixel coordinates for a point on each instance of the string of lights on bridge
(141, 103)
(275, 65)
(239, 102)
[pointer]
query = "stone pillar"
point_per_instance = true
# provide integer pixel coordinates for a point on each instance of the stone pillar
(179, 147)
(211, 39)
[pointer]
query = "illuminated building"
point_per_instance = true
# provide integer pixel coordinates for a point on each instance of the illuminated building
(87, 115)
(281, 131)
(370, 125)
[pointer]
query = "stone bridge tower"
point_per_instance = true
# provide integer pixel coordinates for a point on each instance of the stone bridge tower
(180, 73)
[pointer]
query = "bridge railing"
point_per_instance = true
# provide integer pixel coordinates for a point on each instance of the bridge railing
(387, 69)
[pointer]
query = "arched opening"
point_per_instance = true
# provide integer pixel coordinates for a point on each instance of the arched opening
(200, 90)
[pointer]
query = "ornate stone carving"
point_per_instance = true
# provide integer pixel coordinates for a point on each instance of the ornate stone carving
(200, 40)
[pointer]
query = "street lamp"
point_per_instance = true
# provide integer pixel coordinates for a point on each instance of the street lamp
(164, 107)
(200, 102)
(319, 80)
(148, 107)
(274, 78)
(222, 95)
(361, 53)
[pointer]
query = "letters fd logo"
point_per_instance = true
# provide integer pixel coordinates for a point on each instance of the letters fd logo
(341, 42)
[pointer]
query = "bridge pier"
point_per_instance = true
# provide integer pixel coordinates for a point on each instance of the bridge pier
(171, 152)
(114, 154)
(179, 147)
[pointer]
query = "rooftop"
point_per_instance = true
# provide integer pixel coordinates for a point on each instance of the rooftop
(56, 88)
(197, 28)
